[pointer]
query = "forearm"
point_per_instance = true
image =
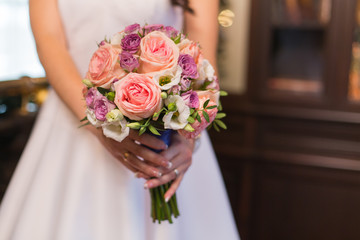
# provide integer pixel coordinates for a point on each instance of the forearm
(52, 50)
(62, 74)
(202, 26)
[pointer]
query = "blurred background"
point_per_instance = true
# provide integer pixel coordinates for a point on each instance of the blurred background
(291, 155)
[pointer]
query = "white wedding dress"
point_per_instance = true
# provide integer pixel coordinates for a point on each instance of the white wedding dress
(68, 187)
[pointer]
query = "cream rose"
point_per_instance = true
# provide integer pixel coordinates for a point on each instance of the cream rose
(158, 53)
(192, 48)
(104, 66)
(137, 96)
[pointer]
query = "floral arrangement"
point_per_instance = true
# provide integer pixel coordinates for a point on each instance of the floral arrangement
(151, 79)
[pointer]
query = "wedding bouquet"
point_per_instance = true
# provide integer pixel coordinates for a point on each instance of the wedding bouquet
(152, 79)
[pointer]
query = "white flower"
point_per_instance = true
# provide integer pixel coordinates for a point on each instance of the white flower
(179, 118)
(114, 115)
(184, 43)
(116, 130)
(92, 118)
(206, 70)
(167, 79)
(116, 38)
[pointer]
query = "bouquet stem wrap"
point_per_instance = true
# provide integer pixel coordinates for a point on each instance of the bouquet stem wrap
(160, 209)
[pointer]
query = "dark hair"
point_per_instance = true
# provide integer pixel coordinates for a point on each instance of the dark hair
(184, 4)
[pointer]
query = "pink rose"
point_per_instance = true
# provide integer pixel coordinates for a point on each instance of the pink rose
(104, 67)
(197, 126)
(137, 96)
(158, 53)
(191, 48)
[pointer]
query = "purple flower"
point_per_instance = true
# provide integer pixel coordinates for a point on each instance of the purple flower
(101, 107)
(134, 28)
(174, 90)
(170, 32)
(187, 63)
(191, 99)
(90, 97)
(128, 61)
(185, 83)
(130, 43)
(102, 43)
(153, 27)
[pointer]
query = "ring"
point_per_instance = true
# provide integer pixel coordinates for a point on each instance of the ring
(126, 155)
(176, 172)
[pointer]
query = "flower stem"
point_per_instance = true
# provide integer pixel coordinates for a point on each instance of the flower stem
(165, 204)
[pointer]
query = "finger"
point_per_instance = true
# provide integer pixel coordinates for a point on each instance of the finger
(172, 189)
(167, 177)
(149, 155)
(171, 152)
(141, 166)
(148, 140)
(141, 175)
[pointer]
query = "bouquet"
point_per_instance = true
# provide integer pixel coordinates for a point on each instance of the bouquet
(152, 79)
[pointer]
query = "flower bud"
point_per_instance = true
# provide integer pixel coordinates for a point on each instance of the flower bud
(114, 115)
(87, 83)
(110, 96)
(163, 95)
(134, 125)
(189, 128)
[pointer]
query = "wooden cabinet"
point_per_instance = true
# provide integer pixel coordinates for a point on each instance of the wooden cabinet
(291, 156)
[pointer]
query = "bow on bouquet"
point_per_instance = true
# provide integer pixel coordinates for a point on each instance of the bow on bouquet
(152, 79)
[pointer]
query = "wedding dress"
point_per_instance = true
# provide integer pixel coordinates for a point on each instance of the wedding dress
(68, 187)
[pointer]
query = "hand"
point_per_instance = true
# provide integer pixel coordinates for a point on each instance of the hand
(180, 155)
(130, 153)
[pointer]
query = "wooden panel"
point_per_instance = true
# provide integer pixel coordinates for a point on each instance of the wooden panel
(292, 202)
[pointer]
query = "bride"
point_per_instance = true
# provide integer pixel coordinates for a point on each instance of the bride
(77, 184)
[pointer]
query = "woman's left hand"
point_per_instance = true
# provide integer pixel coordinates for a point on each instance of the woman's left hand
(180, 155)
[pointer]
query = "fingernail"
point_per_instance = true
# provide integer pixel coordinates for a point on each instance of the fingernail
(166, 146)
(137, 175)
(146, 186)
(157, 173)
(167, 199)
(166, 164)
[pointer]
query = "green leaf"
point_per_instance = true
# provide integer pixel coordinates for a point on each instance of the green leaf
(142, 130)
(221, 124)
(103, 91)
(153, 130)
(223, 93)
(85, 124)
(192, 111)
(220, 108)
(191, 119)
(204, 86)
(206, 116)
(209, 127)
(84, 119)
(216, 127)
(198, 118)
(206, 103)
(211, 107)
(177, 39)
(220, 115)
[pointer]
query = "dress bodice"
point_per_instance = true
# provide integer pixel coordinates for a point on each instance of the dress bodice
(87, 22)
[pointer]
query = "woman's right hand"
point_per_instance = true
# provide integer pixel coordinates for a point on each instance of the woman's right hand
(131, 152)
